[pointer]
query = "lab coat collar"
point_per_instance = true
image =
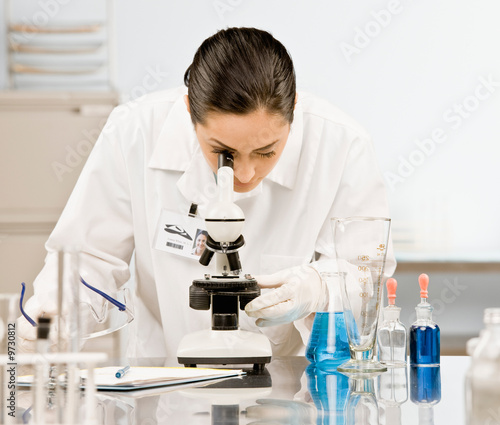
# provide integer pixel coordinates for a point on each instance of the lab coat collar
(177, 149)
(176, 143)
(285, 171)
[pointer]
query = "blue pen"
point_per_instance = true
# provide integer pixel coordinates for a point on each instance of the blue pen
(121, 372)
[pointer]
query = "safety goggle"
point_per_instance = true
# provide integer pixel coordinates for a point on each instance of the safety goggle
(114, 314)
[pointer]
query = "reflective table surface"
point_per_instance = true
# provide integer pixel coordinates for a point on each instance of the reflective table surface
(293, 391)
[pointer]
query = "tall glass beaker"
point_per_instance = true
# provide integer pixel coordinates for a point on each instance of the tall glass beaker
(361, 406)
(328, 340)
(361, 248)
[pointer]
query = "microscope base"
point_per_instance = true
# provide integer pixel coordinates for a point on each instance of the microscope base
(224, 347)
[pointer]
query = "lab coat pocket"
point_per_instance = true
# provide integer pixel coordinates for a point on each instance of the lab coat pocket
(270, 264)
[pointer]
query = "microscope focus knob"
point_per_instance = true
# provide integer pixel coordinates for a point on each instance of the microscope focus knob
(225, 321)
(199, 299)
(245, 299)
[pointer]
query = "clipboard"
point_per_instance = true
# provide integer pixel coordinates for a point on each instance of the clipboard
(139, 377)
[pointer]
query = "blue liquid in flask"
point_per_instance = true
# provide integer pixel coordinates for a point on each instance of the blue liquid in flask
(424, 345)
(328, 340)
(329, 390)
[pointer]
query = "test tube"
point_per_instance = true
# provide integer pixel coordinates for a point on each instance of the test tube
(90, 393)
(71, 283)
(68, 333)
(8, 367)
(41, 369)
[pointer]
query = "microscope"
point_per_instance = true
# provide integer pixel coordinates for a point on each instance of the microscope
(226, 292)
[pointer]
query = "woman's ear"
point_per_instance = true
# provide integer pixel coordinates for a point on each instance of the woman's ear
(186, 101)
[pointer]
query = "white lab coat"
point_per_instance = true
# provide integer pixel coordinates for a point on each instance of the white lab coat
(148, 159)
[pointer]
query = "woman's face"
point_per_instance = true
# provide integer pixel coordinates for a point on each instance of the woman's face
(255, 140)
(201, 240)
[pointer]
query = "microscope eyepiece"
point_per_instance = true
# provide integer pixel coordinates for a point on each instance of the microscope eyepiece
(225, 159)
(234, 261)
(206, 257)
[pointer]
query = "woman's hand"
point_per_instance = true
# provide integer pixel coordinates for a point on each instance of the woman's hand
(300, 292)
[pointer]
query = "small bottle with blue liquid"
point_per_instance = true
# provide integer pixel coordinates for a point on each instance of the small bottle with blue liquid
(424, 333)
(425, 384)
(328, 341)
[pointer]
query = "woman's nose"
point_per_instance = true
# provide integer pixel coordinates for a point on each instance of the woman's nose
(244, 171)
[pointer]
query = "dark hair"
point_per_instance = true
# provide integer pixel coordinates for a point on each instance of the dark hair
(238, 71)
(201, 232)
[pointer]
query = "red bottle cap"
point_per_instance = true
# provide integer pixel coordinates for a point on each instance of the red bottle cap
(423, 281)
(392, 285)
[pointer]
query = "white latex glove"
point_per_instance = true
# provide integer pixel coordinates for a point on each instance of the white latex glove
(300, 292)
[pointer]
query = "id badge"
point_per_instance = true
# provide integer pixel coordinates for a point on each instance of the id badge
(180, 234)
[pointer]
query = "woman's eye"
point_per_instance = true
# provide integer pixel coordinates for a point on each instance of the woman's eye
(262, 155)
(267, 154)
(217, 151)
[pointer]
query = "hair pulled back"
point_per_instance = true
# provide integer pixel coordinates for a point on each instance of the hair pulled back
(239, 71)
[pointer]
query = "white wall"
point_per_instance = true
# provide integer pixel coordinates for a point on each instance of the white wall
(402, 81)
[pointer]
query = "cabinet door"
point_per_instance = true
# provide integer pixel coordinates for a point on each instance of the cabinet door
(45, 141)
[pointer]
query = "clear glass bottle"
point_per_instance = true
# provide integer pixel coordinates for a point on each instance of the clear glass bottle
(392, 392)
(424, 333)
(483, 376)
(328, 340)
(393, 386)
(391, 335)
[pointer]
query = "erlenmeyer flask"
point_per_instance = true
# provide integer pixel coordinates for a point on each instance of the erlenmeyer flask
(328, 341)
(328, 389)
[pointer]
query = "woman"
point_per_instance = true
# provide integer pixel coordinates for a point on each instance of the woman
(297, 162)
(200, 242)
